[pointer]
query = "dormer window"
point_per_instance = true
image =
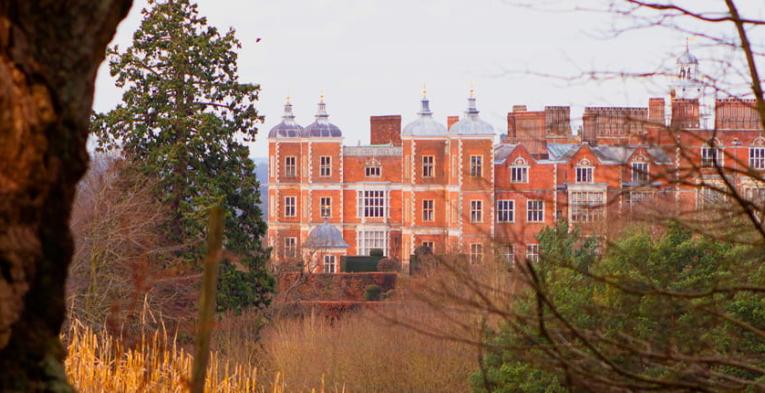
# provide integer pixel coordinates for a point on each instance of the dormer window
(372, 168)
(640, 172)
(584, 171)
(373, 171)
(519, 171)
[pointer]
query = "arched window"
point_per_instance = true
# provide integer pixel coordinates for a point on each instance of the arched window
(519, 171)
(584, 171)
(372, 168)
(757, 153)
(640, 170)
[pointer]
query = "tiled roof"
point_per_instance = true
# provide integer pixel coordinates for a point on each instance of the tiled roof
(501, 152)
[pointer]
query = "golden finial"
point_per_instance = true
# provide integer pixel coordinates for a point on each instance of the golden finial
(321, 97)
(289, 100)
(424, 91)
(472, 90)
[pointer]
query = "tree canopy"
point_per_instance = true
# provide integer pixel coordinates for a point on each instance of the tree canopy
(657, 311)
(185, 118)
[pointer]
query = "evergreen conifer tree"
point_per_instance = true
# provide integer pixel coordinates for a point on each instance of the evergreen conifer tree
(184, 118)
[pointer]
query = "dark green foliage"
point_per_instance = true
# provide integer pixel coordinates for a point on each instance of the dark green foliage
(237, 289)
(373, 293)
(358, 264)
(649, 306)
(184, 118)
(376, 252)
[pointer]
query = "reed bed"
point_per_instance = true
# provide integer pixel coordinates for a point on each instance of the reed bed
(97, 362)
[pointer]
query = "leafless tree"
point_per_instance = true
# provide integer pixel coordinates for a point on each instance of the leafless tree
(123, 263)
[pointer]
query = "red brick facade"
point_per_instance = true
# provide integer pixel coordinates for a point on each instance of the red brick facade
(462, 193)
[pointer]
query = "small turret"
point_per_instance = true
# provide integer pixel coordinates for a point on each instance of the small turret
(287, 128)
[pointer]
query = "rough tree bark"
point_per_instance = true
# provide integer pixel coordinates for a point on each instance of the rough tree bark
(49, 54)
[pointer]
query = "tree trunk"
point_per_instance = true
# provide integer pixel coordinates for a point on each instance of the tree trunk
(49, 54)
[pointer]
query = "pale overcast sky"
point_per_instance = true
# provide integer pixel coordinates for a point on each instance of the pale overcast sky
(372, 57)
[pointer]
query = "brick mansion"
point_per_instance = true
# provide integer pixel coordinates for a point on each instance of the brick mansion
(459, 187)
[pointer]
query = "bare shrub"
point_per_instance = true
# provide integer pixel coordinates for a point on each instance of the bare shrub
(123, 268)
(389, 265)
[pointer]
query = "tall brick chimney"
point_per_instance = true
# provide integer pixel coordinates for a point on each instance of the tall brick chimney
(385, 130)
(656, 111)
(737, 114)
(685, 113)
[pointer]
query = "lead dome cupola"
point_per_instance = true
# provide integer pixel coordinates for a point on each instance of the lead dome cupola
(321, 127)
(287, 128)
(471, 124)
(425, 125)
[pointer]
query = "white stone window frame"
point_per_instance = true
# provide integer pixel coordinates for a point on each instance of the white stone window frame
(374, 210)
(635, 198)
(719, 156)
(290, 168)
(476, 211)
(508, 254)
(329, 264)
(372, 168)
(532, 252)
(476, 165)
(585, 172)
(428, 166)
(583, 208)
(290, 206)
(507, 209)
(640, 176)
(519, 166)
(325, 168)
(476, 253)
(428, 212)
(535, 214)
(712, 193)
(757, 154)
(325, 208)
(369, 238)
(290, 247)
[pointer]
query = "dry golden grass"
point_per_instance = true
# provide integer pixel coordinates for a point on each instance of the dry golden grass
(361, 352)
(364, 352)
(422, 341)
(98, 363)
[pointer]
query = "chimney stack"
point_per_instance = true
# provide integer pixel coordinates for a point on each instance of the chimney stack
(385, 130)
(656, 111)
